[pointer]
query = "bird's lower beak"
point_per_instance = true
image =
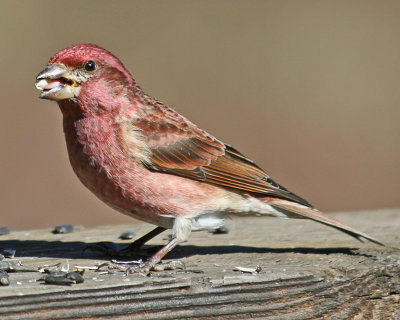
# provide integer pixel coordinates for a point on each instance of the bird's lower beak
(56, 83)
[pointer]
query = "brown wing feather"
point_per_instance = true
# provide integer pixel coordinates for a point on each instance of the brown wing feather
(179, 147)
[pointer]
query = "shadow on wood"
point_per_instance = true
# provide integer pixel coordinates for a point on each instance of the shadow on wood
(307, 272)
(78, 249)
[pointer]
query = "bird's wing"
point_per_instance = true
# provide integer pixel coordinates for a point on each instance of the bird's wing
(177, 146)
(174, 145)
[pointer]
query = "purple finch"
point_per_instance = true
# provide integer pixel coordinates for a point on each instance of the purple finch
(145, 160)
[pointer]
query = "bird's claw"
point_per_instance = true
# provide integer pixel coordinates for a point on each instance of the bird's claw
(171, 265)
(148, 266)
(142, 267)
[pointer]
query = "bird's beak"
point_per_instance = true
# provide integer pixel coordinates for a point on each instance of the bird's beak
(56, 83)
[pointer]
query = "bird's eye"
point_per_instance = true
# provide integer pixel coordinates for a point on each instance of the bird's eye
(90, 65)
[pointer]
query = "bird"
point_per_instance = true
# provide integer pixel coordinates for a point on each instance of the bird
(145, 160)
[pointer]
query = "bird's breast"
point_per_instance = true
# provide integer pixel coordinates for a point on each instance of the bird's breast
(102, 166)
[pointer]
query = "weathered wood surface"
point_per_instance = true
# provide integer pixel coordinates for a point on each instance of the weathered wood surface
(308, 271)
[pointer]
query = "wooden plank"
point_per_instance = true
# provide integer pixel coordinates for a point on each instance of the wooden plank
(308, 271)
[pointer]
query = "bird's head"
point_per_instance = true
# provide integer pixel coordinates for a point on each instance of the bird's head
(73, 69)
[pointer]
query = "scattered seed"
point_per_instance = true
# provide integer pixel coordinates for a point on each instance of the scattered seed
(77, 277)
(221, 230)
(255, 270)
(21, 268)
(58, 280)
(62, 278)
(9, 252)
(86, 267)
(4, 231)
(4, 279)
(127, 235)
(7, 265)
(63, 228)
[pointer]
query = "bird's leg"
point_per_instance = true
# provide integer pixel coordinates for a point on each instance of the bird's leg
(133, 250)
(153, 263)
(137, 244)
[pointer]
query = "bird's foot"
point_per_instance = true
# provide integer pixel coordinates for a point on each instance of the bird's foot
(142, 267)
(151, 264)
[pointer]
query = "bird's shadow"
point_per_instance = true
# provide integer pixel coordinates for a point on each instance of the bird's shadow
(78, 250)
(189, 250)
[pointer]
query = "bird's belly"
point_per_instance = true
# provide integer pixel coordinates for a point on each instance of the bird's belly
(114, 189)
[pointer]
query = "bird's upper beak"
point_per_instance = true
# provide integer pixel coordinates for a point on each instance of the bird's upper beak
(56, 83)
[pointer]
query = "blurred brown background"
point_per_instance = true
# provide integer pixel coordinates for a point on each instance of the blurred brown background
(308, 89)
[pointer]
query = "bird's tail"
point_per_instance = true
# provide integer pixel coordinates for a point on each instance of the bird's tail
(295, 210)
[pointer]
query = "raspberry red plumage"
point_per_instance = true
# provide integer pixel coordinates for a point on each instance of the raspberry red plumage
(146, 160)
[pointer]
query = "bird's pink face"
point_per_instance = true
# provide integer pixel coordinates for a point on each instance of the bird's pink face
(70, 69)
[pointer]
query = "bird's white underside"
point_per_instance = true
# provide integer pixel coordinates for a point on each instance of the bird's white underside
(210, 220)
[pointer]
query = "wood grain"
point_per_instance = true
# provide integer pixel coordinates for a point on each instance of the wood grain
(308, 272)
